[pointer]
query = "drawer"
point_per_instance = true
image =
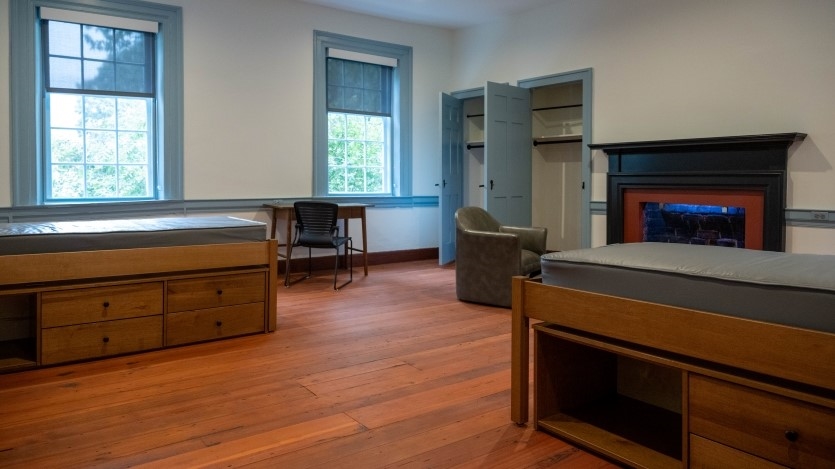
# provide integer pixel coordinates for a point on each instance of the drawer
(707, 454)
(784, 430)
(85, 305)
(213, 292)
(99, 339)
(215, 323)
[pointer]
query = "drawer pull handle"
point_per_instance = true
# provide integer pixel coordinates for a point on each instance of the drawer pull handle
(105, 339)
(219, 323)
(792, 435)
(106, 304)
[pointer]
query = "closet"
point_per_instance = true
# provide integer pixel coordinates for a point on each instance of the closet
(522, 156)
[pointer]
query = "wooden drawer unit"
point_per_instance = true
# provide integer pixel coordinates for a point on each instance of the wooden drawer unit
(215, 323)
(786, 431)
(214, 292)
(99, 339)
(86, 305)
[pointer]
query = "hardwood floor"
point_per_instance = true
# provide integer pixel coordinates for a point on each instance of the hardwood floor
(392, 371)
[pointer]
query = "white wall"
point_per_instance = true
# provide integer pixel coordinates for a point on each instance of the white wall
(248, 105)
(661, 70)
(665, 70)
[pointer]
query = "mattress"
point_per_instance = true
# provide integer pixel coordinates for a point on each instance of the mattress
(790, 289)
(48, 237)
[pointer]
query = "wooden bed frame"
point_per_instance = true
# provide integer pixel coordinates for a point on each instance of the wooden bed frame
(194, 289)
(582, 332)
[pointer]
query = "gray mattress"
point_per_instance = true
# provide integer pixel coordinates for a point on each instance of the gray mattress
(790, 289)
(37, 238)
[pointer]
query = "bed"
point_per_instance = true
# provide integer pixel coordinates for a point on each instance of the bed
(80, 290)
(699, 332)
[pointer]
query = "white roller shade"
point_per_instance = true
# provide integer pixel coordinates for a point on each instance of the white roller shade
(360, 57)
(81, 17)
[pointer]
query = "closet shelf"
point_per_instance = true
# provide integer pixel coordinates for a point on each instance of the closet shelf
(550, 140)
(475, 144)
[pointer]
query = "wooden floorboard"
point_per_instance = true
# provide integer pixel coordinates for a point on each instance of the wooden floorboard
(392, 371)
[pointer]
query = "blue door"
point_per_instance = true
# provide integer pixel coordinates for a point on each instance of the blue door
(507, 154)
(452, 167)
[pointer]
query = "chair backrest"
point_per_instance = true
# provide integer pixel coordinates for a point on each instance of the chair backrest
(315, 223)
(475, 219)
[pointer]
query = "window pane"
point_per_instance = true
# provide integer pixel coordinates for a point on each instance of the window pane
(64, 73)
(65, 111)
(356, 154)
(101, 181)
(132, 113)
(130, 77)
(336, 125)
(101, 147)
(374, 180)
(336, 153)
(99, 113)
(133, 181)
(336, 180)
(99, 75)
(98, 43)
(133, 147)
(67, 146)
(67, 181)
(130, 47)
(64, 39)
(356, 180)
(355, 127)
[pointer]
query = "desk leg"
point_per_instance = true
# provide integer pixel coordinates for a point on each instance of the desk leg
(347, 252)
(288, 246)
(519, 355)
(364, 243)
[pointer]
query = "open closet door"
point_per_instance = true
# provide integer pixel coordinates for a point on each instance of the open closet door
(507, 153)
(452, 180)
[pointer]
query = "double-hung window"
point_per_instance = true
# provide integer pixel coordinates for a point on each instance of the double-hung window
(362, 117)
(97, 101)
(359, 127)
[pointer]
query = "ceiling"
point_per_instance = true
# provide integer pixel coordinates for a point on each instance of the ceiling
(443, 13)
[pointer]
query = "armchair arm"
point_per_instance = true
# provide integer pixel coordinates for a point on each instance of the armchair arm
(530, 238)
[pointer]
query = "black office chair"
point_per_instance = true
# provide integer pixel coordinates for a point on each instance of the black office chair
(316, 228)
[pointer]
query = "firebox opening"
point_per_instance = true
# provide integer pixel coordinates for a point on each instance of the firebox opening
(712, 225)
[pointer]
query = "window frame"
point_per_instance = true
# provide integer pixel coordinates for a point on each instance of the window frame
(401, 144)
(27, 128)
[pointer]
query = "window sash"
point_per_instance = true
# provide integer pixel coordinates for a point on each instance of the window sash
(358, 87)
(98, 72)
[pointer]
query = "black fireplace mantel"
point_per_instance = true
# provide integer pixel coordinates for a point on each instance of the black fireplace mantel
(748, 161)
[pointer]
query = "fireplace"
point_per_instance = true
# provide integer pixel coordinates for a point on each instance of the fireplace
(724, 191)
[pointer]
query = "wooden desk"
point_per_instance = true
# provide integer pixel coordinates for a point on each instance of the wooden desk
(346, 212)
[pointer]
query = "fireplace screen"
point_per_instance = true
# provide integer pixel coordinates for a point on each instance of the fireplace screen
(693, 224)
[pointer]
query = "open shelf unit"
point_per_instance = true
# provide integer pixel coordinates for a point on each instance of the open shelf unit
(625, 408)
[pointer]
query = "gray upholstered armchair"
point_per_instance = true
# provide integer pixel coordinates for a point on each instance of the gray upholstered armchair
(488, 254)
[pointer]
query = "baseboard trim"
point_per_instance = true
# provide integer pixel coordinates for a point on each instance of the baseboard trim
(299, 264)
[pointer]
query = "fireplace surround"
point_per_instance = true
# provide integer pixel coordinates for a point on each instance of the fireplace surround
(741, 172)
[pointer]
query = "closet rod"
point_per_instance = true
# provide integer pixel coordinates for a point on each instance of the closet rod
(548, 108)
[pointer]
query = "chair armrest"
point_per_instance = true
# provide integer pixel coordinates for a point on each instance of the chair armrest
(530, 238)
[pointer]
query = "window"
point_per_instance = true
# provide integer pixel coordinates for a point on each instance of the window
(99, 100)
(362, 117)
(359, 127)
(88, 81)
